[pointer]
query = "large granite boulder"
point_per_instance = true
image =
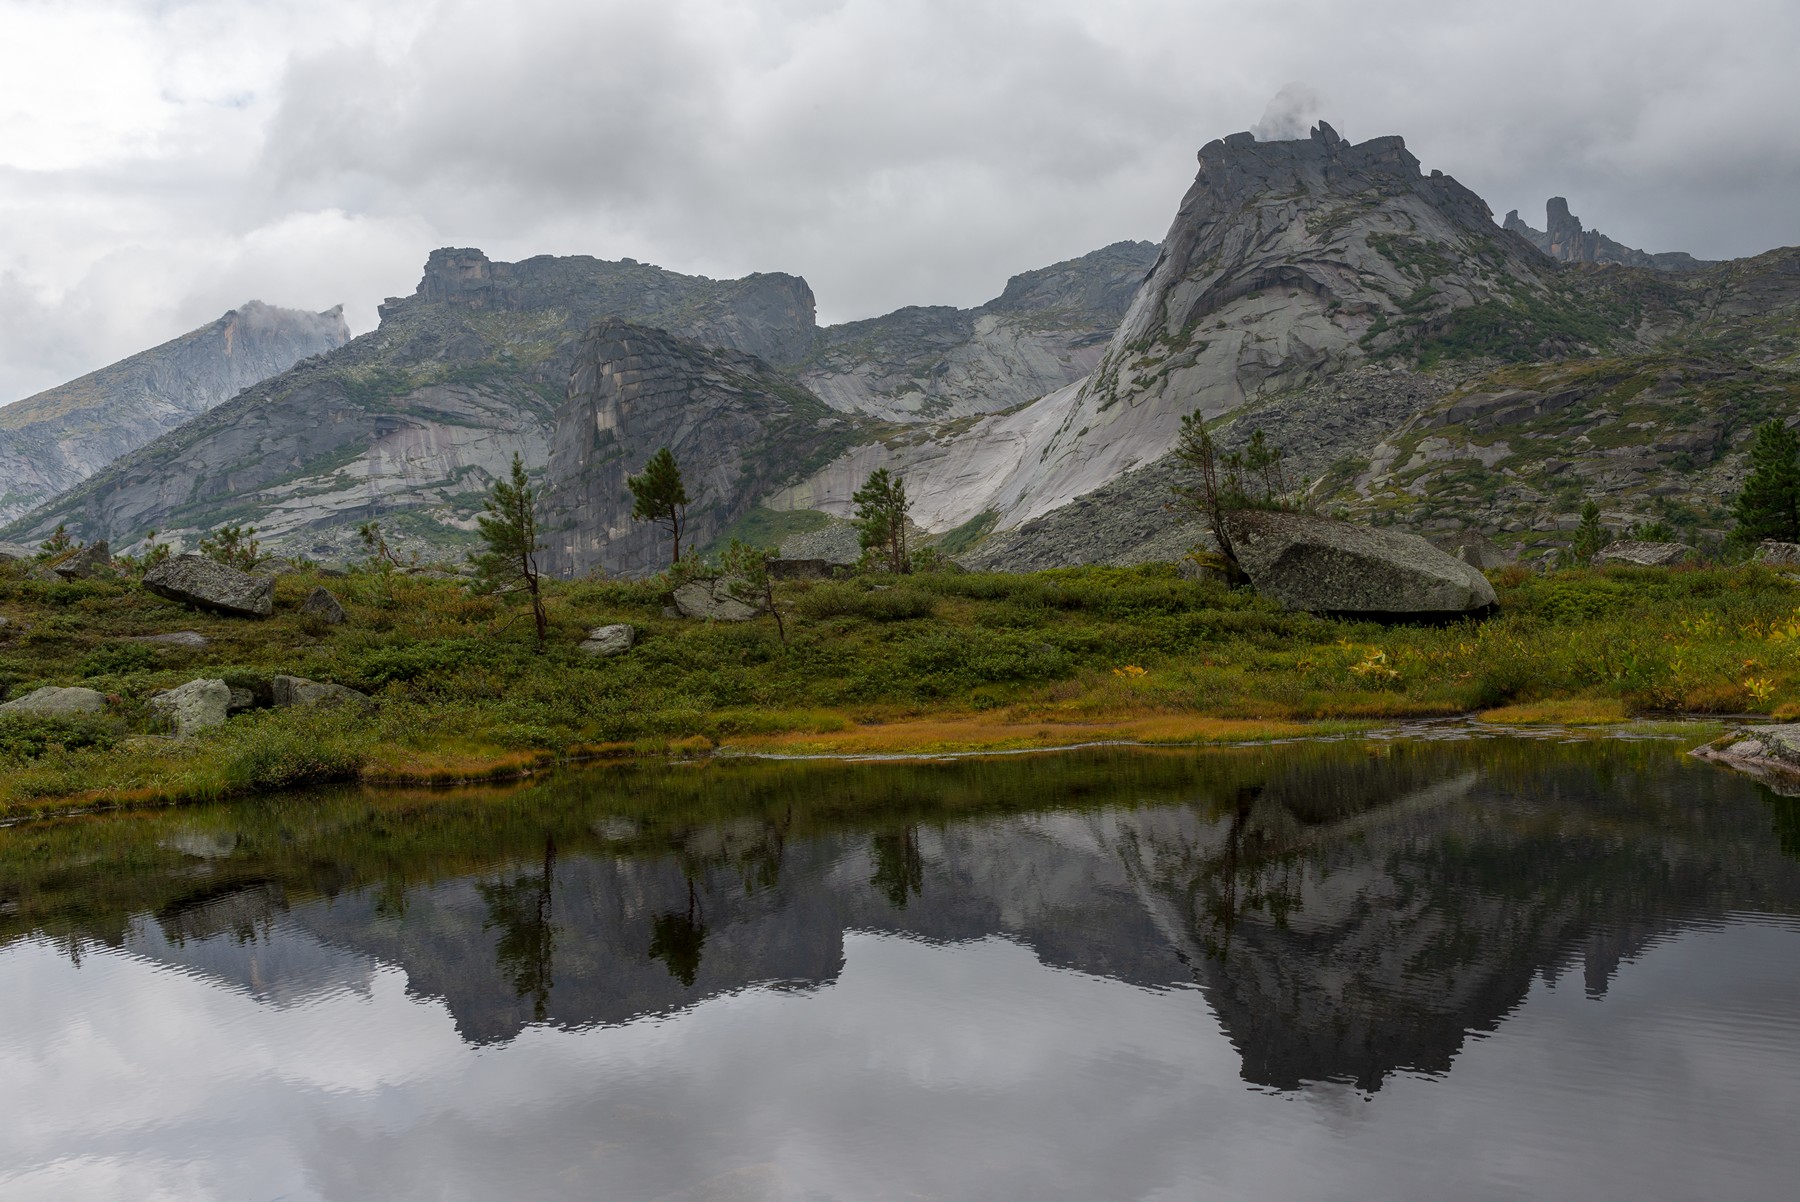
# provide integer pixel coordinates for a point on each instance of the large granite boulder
(1326, 566)
(299, 691)
(204, 582)
(720, 600)
(607, 641)
(1643, 555)
(54, 702)
(195, 706)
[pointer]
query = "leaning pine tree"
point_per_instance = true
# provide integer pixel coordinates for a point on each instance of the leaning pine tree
(659, 496)
(881, 520)
(1769, 506)
(508, 564)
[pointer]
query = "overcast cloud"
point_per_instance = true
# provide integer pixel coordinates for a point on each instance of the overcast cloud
(162, 161)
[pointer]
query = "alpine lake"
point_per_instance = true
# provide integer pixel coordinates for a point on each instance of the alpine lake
(1437, 963)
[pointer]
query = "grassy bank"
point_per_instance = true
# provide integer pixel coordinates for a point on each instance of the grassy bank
(936, 662)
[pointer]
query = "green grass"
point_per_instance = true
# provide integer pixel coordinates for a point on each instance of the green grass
(462, 693)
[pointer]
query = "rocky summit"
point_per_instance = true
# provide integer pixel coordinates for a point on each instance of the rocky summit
(1564, 238)
(54, 440)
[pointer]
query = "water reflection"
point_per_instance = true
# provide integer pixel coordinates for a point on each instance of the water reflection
(1137, 933)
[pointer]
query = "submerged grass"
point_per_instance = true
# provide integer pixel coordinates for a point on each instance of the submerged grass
(933, 663)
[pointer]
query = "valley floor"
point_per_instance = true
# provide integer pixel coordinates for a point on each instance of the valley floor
(933, 663)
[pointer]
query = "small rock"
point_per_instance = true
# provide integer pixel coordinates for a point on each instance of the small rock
(322, 605)
(716, 600)
(195, 706)
(241, 699)
(199, 580)
(297, 690)
(606, 641)
(1644, 555)
(51, 700)
(175, 638)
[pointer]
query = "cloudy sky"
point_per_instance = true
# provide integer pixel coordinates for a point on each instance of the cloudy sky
(164, 160)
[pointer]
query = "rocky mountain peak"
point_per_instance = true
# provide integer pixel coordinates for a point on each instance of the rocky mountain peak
(1564, 238)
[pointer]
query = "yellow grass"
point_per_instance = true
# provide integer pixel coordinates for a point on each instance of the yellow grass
(1568, 711)
(976, 732)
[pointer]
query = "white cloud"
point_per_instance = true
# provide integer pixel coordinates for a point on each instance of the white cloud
(161, 161)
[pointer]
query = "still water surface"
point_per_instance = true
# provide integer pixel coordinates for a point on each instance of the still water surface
(1483, 969)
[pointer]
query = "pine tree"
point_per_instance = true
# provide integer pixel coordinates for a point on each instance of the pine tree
(1590, 537)
(509, 530)
(1769, 506)
(881, 519)
(659, 496)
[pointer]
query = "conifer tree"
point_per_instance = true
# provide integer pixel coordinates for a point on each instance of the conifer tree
(509, 531)
(881, 519)
(659, 496)
(1769, 505)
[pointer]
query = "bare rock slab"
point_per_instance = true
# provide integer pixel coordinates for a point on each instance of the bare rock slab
(200, 581)
(1326, 566)
(51, 701)
(94, 559)
(195, 706)
(607, 641)
(174, 638)
(1644, 555)
(1778, 554)
(297, 690)
(716, 600)
(1771, 754)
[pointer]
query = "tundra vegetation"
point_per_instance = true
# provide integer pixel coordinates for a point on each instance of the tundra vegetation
(932, 661)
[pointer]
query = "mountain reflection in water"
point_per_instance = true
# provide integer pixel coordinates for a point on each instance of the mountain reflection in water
(1346, 912)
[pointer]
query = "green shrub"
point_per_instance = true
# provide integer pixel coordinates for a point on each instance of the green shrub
(27, 736)
(846, 600)
(117, 659)
(280, 749)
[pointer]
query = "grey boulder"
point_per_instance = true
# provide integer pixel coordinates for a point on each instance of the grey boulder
(174, 638)
(1326, 566)
(322, 605)
(725, 599)
(195, 706)
(297, 690)
(607, 641)
(1473, 548)
(52, 701)
(1778, 554)
(92, 560)
(198, 580)
(1643, 555)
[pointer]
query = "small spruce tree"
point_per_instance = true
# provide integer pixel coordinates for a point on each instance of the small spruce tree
(508, 564)
(1590, 537)
(58, 543)
(881, 520)
(659, 496)
(1769, 505)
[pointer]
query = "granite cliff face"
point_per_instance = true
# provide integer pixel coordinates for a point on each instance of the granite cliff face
(736, 426)
(1286, 262)
(932, 363)
(1563, 238)
(54, 440)
(411, 423)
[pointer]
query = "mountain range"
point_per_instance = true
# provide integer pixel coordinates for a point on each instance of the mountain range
(1418, 362)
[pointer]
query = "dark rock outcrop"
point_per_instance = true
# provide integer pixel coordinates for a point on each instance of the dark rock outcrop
(1563, 238)
(322, 605)
(1325, 566)
(736, 426)
(53, 441)
(200, 581)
